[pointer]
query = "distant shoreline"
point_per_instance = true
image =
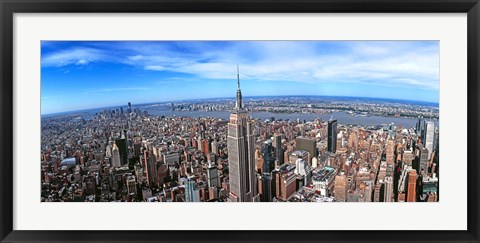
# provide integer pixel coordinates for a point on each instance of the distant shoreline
(246, 98)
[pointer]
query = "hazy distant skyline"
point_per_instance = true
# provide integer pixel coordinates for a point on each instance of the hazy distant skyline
(79, 75)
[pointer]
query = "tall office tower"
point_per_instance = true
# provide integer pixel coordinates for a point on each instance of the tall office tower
(108, 151)
(267, 195)
(241, 145)
(390, 156)
(332, 135)
(151, 165)
(192, 194)
(129, 107)
(278, 148)
(424, 152)
(391, 131)
(205, 148)
(131, 183)
(341, 187)
(429, 137)
(419, 126)
(309, 145)
(268, 156)
(214, 147)
(212, 174)
(412, 186)
(122, 147)
(116, 157)
(377, 191)
(388, 189)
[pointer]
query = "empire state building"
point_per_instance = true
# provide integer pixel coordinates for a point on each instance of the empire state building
(240, 144)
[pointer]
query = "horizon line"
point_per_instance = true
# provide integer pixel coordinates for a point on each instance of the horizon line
(233, 97)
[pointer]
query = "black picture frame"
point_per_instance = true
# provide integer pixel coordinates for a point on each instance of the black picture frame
(9, 7)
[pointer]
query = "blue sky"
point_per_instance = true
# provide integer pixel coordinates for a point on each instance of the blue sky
(84, 74)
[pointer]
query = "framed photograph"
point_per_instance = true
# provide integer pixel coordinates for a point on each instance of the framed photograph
(239, 121)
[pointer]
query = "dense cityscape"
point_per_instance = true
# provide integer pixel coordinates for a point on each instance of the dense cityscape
(129, 154)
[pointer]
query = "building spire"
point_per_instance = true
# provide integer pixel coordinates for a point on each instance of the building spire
(238, 77)
(238, 105)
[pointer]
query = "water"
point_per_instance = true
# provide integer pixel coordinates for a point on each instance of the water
(342, 117)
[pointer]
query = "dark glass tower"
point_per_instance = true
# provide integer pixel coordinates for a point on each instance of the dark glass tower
(332, 135)
(268, 156)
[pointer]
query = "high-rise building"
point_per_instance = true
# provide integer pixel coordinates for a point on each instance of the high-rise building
(388, 189)
(129, 108)
(214, 147)
(122, 148)
(303, 169)
(309, 145)
(151, 165)
(314, 162)
(287, 185)
(429, 137)
(424, 152)
(171, 158)
(212, 175)
(241, 160)
(116, 157)
(192, 194)
(267, 195)
(412, 186)
(419, 125)
(407, 157)
(341, 187)
(389, 153)
(268, 156)
(131, 183)
(205, 146)
(332, 135)
(278, 149)
(391, 131)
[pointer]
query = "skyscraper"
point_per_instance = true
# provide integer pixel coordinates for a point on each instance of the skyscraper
(268, 156)
(278, 149)
(419, 125)
(429, 137)
(240, 145)
(388, 189)
(389, 153)
(412, 186)
(212, 175)
(309, 145)
(192, 194)
(151, 168)
(332, 135)
(122, 147)
(340, 188)
(115, 156)
(424, 152)
(267, 195)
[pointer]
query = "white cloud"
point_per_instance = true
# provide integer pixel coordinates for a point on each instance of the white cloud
(77, 56)
(116, 90)
(155, 68)
(387, 63)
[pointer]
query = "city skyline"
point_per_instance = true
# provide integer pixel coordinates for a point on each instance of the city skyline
(108, 73)
(129, 155)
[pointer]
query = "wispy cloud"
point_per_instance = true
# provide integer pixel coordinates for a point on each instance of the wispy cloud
(386, 63)
(75, 56)
(116, 90)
